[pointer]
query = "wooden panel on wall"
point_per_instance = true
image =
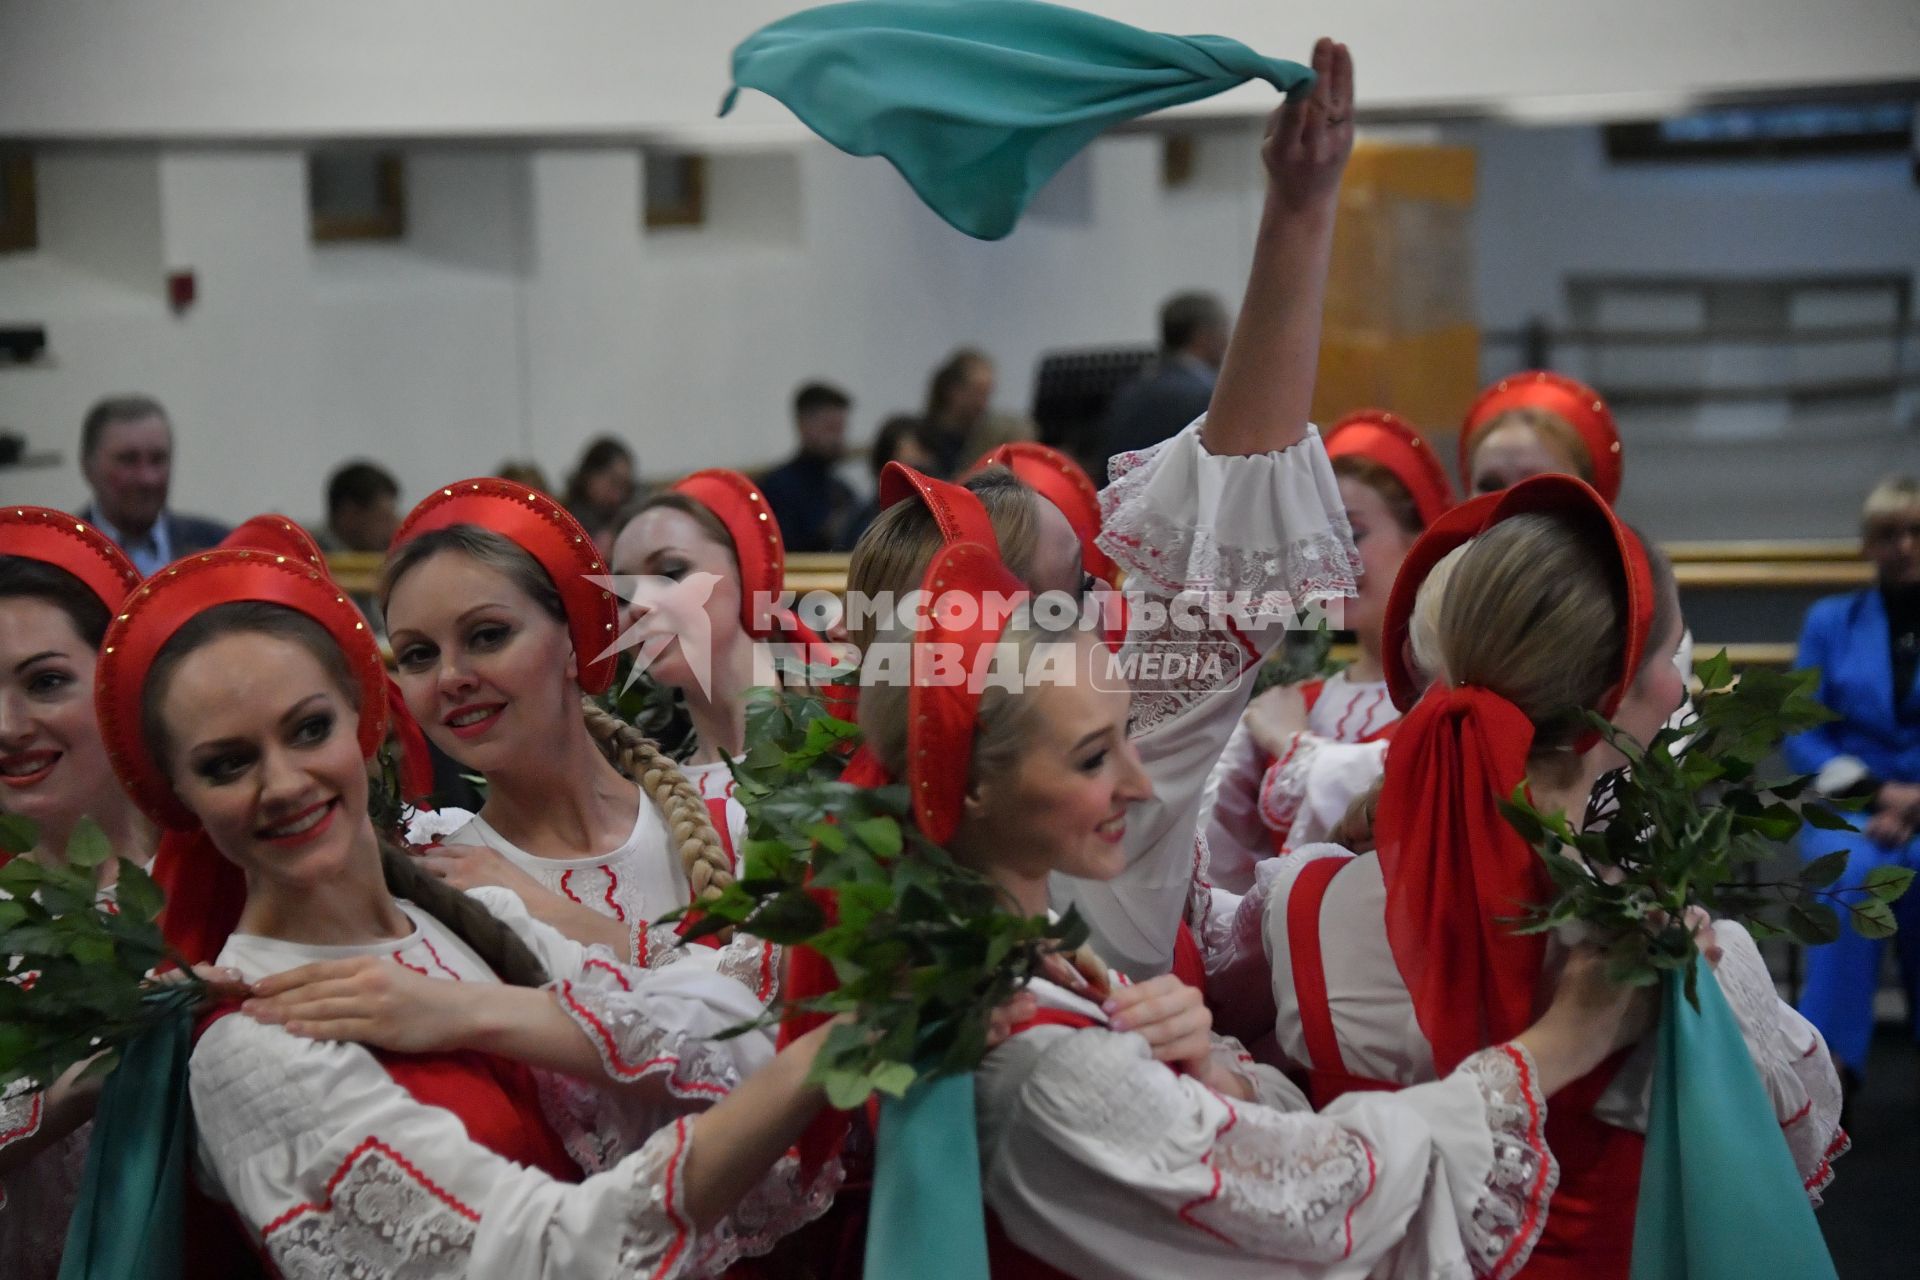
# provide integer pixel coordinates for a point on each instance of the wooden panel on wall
(1400, 328)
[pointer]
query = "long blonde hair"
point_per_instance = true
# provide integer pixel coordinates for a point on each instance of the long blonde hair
(631, 752)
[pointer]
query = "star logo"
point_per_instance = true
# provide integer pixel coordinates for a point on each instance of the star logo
(659, 612)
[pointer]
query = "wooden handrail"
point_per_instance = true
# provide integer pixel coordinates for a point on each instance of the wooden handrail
(1750, 549)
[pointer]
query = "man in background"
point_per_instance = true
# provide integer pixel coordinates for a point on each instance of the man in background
(363, 509)
(1177, 387)
(960, 423)
(812, 503)
(126, 455)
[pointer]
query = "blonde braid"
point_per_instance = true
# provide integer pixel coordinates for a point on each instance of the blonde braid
(633, 754)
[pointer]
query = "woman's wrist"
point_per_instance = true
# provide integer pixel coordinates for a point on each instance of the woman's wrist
(1561, 1056)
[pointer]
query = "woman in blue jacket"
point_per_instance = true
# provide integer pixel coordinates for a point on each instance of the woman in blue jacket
(1867, 647)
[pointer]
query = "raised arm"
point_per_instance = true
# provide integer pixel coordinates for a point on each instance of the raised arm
(1265, 391)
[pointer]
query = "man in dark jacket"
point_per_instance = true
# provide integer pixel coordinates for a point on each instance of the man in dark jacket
(126, 455)
(812, 503)
(1175, 389)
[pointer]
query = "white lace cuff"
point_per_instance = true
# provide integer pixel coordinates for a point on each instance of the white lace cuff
(634, 1046)
(1283, 788)
(1178, 518)
(1511, 1211)
(783, 1202)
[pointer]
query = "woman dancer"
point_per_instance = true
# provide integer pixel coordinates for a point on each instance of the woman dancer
(1539, 423)
(1105, 1162)
(1236, 521)
(61, 581)
(712, 532)
(1392, 967)
(487, 1121)
(502, 624)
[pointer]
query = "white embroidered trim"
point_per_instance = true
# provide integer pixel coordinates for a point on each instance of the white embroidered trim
(381, 1217)
(20, 1116)
(1284, 786)
(1511, 1212)
(633, 1047)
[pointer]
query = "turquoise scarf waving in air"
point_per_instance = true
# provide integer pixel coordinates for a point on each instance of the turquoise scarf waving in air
(978, 102)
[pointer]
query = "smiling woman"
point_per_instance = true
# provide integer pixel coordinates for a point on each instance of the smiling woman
(60, 582)
(500, 624)
(377, 1103)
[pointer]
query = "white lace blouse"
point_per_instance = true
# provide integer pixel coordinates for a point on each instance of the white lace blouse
(1109, 1164)
(1220, 553)
(340, 1171)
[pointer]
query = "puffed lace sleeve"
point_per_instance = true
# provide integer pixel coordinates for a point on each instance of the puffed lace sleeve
(1082, 1130)
(1306, 792)
(1790, 1054)
(325, 1159)
(1178, 518)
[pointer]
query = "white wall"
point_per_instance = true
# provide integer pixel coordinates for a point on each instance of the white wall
(527, 311)
(200, 69)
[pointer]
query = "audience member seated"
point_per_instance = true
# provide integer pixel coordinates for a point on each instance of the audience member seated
(962, 423)
(126, 455)
(1177, 387)
(362, 509)
(813, 504)
(601, 486)
(902, 438)
(1866, 645)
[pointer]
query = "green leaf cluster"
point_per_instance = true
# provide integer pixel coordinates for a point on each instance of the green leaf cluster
(78, 988)
(1691, 823)
(924, 949)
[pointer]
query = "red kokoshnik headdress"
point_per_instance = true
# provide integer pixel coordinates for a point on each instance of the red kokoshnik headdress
(69, 543)
(204, 891)
(1575, 403)
(737, 503)
(1457, 873)
(1390, 441)
(959, 514)
(558, 543)
(1065, 483)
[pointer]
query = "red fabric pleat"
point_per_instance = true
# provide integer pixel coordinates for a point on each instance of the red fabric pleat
(1458, 875)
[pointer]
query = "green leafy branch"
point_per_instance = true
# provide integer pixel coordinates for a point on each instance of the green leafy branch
(1691, 822)
(78, 987)
(923, 948)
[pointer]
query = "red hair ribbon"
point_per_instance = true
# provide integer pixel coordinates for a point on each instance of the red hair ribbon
(1456, 871)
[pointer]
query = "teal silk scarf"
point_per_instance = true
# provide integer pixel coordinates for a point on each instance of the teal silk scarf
(127, 1224)
(927, 1219)
(1720, 1198)
(978, 102)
